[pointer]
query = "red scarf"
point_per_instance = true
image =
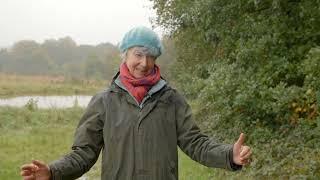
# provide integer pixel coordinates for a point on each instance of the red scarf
(138, 87)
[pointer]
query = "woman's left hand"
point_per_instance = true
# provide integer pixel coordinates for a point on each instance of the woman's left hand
(241, 153)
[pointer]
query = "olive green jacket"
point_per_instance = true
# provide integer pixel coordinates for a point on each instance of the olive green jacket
(139, 142)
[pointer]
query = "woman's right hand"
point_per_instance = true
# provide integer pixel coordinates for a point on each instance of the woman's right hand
(36, 170)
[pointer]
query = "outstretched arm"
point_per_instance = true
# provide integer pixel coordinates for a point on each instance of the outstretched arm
(203, 149)
(87, 144)
(85, 150)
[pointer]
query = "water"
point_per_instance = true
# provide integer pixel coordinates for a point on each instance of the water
(46, 102)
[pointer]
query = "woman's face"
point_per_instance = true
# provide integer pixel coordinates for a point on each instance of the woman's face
(139, 63)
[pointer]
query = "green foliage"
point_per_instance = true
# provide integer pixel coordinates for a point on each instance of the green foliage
(167, 58)
(252, 66)
(311, 68)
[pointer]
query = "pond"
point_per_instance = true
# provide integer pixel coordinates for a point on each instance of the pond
(46, 102)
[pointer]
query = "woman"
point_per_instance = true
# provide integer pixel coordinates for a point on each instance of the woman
(137, 124)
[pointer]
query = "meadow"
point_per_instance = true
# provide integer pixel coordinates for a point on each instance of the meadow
(18, 85)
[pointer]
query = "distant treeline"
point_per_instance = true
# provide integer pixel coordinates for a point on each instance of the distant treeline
(65, 57)
(60, 57)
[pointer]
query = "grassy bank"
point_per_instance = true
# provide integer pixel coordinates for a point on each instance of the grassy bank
(16, 85)
(28, 133)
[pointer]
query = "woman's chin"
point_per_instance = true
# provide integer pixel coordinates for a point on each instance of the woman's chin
(140, 74)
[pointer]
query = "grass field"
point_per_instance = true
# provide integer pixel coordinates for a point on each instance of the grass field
(28, 134)
(16, 85)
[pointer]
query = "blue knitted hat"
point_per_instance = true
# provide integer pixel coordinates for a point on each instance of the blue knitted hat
(142, 36)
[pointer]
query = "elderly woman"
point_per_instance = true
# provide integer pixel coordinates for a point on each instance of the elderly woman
(137, 123)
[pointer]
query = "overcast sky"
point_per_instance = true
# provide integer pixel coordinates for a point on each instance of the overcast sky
(85, 21)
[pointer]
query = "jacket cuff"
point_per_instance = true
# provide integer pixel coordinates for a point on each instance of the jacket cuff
(55, 173)
(234, 166)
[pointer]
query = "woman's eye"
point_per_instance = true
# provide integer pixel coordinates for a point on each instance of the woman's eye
(139, 55)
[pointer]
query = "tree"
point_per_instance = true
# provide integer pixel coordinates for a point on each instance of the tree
(250, 65)
(61, 57)
(94, 68)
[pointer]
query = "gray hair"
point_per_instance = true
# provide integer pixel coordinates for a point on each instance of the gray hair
(146, 51)
(123, 55)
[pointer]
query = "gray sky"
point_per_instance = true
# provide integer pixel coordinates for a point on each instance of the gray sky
(85, 21)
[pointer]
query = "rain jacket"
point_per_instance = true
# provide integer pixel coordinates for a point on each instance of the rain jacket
(139, 141)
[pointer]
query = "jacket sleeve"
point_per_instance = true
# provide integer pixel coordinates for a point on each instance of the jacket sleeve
(198, 146)
(87, 144)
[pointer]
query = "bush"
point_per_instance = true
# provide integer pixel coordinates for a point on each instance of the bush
(252, 66)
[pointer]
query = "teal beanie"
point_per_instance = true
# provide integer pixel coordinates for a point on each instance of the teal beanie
(142, 36)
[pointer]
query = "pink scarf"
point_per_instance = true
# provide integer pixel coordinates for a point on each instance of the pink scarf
(138, 87)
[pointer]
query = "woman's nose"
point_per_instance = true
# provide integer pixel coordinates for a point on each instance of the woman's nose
(144, 61)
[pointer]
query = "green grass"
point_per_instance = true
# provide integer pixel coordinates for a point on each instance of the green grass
(46, 135)
(17, 85)
(39, 134)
